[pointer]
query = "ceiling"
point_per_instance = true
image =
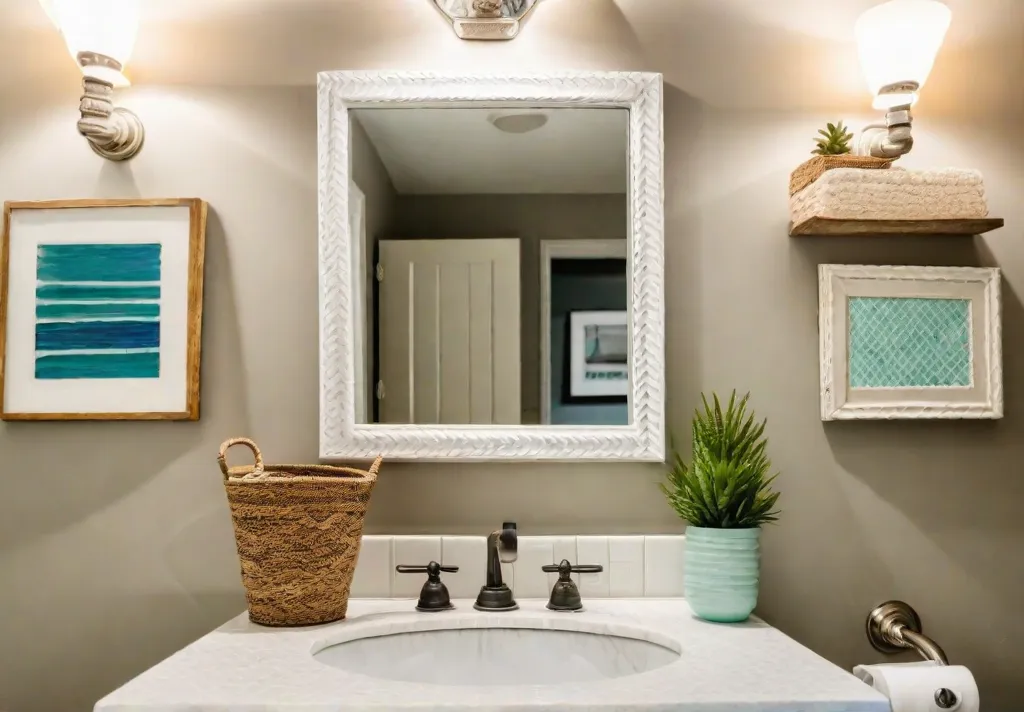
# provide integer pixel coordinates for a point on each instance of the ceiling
(787, 55)
(459, 151)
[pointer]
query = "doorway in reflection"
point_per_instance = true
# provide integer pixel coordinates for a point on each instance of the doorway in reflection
(589, 338)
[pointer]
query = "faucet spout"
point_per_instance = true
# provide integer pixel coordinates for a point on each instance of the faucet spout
(502, 548)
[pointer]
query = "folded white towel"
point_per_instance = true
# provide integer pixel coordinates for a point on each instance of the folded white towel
(893, 194)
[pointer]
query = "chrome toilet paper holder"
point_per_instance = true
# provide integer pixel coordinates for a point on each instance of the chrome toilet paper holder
(895, 626)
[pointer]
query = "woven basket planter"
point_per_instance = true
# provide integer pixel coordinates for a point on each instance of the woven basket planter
(813, 169)
(298, 529)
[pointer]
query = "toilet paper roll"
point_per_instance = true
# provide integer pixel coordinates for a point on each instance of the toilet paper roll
(911, 687)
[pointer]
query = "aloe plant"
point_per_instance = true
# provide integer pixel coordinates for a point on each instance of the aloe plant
(728, 485)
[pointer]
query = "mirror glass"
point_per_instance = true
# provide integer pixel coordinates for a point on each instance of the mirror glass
(494, 282)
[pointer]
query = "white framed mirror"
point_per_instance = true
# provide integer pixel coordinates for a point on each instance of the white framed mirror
(491, 266)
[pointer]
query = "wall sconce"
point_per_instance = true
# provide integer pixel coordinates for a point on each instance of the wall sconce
(485, 19)
(898, 42)
(100, 34)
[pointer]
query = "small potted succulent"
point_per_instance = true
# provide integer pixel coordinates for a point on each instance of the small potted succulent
(725, 496)
(834, 140)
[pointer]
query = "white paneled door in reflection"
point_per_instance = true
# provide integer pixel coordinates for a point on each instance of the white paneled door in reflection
(449, 332)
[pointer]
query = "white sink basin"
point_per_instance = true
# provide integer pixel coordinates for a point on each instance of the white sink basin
(641, 655)
(497, 656)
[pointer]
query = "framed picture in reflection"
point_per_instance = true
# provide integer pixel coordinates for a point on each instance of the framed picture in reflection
(597, 360)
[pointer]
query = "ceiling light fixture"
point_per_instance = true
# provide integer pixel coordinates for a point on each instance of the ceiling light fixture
(898, 42)
(100, 34)
(518, 123)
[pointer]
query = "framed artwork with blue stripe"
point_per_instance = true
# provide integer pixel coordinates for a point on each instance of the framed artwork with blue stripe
(101, 309)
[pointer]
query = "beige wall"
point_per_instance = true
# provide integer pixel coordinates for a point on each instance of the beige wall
(531, 218)
(373, 180)
(115, 541)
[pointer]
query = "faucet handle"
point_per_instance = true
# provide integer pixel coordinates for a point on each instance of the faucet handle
(426, 569)
(434, 595)
(565, 568)
(564, 594)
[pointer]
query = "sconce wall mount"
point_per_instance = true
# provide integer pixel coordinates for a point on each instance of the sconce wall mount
(113, 132)
(100, 36)
(485, 19)
(892, 139)
(898, 42)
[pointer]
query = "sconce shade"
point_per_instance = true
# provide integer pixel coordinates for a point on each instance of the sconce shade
(104, 27)
(898, 42)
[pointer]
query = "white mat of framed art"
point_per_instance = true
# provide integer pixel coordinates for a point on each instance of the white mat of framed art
(101, 309)
(910, 342)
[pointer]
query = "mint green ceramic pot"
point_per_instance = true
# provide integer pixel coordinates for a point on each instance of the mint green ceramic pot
(722, 572)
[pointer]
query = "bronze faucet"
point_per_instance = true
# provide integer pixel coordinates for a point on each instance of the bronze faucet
(502, 548)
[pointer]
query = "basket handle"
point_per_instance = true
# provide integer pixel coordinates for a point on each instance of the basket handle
(375, 467)
(227, 444)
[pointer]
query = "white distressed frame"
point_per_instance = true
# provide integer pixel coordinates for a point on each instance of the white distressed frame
(983, 399)
(563, 249)
(341, 437)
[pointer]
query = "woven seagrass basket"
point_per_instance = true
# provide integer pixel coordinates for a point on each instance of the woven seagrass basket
(298, 530)
(814, 168)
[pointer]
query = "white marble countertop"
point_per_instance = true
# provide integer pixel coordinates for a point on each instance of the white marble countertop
(723, 668)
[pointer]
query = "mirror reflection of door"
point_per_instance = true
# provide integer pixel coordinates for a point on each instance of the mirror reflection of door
(449, 331)
(458, 203)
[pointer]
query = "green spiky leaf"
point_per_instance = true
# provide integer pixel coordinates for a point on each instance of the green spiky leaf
(835, 140)
(727, 485)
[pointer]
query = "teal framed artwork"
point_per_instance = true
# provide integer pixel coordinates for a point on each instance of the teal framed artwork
(910, 342)
(101, 309)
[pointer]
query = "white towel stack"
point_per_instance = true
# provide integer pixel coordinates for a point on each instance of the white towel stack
(893, 194)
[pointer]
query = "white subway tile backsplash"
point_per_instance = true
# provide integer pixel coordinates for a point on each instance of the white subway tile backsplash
(663, 566)
(531, 581)
(634, 566)
(412, 551)
(469, 553)
(563, 547)
(593, 550)
(372, 578)
(626, 566)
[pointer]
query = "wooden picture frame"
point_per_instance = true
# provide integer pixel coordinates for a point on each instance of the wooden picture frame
(910, 342)
(69, 227)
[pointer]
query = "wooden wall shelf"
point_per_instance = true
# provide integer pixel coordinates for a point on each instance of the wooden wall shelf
(830, 226)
